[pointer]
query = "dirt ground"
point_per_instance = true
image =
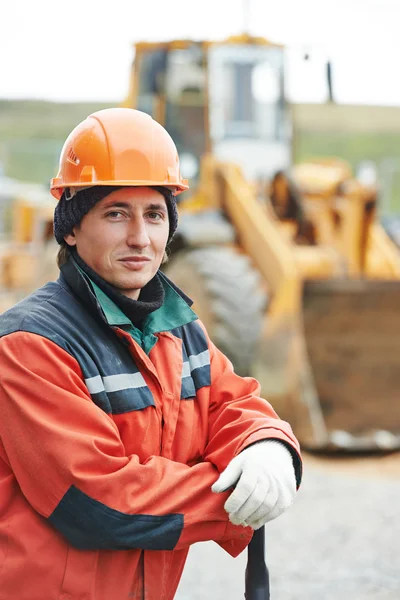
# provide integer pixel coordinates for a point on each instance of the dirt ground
(375, 465)
(339, 540)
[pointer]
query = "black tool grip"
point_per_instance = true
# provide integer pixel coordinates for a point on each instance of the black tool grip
(257, 575)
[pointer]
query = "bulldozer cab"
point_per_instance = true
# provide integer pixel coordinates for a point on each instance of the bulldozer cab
(225, 99)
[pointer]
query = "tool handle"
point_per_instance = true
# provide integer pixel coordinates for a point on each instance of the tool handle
(257, 575)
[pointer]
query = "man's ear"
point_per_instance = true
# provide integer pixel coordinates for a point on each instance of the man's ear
(70, 239)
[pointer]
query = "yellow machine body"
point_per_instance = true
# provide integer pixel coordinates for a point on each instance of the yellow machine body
(328, 350)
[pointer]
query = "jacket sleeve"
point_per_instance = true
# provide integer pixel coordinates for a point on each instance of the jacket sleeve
(70, 463)
(239, 416)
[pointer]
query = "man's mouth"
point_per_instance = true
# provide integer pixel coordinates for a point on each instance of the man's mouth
(134, 262)
(135, 259)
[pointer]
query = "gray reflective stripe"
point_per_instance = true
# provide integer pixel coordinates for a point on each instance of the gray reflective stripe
(115, 383)
(186, 369)
(195, 362)
(199, 360)
(95, 384)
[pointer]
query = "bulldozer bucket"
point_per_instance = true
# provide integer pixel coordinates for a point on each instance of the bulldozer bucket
(352, 341)
(334, 372)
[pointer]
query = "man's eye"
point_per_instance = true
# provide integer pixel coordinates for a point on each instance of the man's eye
(114, 214)
(154, 215)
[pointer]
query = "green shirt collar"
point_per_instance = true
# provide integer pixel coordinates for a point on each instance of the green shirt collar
(112, 312)
(174, 312)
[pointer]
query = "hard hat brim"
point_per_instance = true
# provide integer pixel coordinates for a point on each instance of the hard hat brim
(57, 186)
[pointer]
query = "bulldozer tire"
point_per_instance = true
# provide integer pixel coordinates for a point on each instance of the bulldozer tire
(227, 296)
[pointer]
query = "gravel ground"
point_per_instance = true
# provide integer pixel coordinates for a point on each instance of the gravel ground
(339, 540)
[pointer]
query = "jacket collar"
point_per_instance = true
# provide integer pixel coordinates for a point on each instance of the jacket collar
(174, 312)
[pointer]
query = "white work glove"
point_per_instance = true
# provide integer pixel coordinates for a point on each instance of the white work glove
(265, 484)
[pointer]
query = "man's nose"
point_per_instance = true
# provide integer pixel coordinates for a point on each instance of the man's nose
(137, 233)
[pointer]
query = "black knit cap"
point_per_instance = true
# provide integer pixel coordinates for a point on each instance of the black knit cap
(69, 213)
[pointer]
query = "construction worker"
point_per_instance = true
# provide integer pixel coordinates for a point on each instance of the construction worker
(125, 434)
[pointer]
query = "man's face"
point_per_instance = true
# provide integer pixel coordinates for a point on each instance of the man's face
(123, 237)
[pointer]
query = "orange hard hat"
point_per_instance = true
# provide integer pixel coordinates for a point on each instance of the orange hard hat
(121, 147)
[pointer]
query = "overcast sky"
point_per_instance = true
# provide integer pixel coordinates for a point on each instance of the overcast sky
(82, 49)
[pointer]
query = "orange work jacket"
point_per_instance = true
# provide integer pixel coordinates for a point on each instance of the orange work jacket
(110, 440)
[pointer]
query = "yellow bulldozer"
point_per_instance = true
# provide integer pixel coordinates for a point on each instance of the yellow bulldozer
(287, 264)
(27, 245)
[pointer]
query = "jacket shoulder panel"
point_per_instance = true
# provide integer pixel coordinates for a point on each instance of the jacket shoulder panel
(196, 370)
(16, 318)
(111, 376)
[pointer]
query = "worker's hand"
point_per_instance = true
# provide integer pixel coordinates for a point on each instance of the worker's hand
(265, 484)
